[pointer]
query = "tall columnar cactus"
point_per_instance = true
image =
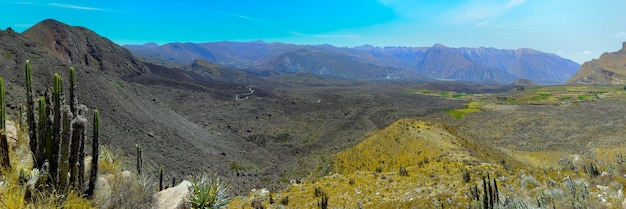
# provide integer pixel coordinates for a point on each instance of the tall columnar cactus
(94, 159)
(82, 109)
(30, 111)
(42, 129)
(48, 134)
(65, 148)
(139, 158)
(4, 144)
(57, 90)
(3, 105)
(78, 129)
(161, 179)
(73, 102)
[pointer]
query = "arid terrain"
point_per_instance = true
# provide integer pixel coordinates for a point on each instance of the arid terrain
(298, 139)
(542, 145)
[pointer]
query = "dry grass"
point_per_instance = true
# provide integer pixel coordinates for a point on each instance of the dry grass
(407, 142)
(126, 191)
(13, 190)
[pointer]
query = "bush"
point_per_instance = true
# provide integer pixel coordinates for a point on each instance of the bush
(208, 192)
(403, 171)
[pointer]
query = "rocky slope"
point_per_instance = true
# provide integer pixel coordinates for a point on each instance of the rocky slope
(610, 68)
(438, 61)
(81, 46)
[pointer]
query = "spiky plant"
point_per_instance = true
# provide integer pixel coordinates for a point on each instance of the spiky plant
(78, 128)
(208, 192)
(30, 108)
(95, 151)
(42, 128)
(57, 90)
(81, 148)
(161, 178)
(65, 148)
(2, 105)
(139, 158)
(3, 138)
(73, 101)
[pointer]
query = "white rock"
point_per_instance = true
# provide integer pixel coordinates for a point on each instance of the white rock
(173, 197)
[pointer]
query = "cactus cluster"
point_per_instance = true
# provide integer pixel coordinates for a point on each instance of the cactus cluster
(490, 196)
(57, 137)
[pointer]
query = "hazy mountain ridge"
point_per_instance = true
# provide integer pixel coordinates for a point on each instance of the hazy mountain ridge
(610, 68)
(323, 63)
(438, 61)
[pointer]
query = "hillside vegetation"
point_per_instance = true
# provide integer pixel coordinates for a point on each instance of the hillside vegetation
(419, 163)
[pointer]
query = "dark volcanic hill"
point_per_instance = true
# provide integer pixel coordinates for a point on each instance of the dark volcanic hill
(81, 46)
(610, 68)
(438, 62)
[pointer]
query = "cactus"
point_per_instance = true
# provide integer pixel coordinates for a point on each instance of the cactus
(81, 148)
(57, 90)
(47, 137)
(139, 158)
(3, 138)
(2, 106)
(78, 128)
(94, 159)
(65, 148)
(73, 102)
(30, 111)
(41, 131)
(161, 179)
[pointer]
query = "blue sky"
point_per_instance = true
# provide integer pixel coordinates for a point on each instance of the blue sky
(575, 29)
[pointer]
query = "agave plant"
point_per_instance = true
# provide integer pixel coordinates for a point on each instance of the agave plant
(207, 192)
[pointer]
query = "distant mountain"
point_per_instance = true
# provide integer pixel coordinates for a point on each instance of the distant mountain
(79, 45)
(437, 62)
(610, 68)
(334, 65)
(215, 72)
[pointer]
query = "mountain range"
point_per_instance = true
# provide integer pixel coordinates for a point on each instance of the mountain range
(369, 62)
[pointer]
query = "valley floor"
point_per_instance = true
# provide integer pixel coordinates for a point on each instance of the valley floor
(540, 147)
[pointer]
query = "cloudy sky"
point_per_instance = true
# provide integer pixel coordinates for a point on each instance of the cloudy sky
(579, 30)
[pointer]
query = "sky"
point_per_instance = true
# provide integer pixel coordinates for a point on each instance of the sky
(579, 30)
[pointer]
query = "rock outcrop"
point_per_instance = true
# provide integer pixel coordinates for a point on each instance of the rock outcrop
(610, 68)
(173, 197)
(79, 45)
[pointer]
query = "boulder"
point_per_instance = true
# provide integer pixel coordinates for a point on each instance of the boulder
(173, 197)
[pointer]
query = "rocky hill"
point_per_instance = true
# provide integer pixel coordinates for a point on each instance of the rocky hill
(81, 46)
(610, 68)
(436, 62)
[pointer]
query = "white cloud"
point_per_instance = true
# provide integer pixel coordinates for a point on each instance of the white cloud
(483, 23)
(70, 6)
(586, 52)
(337, 36)
(514, 3)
